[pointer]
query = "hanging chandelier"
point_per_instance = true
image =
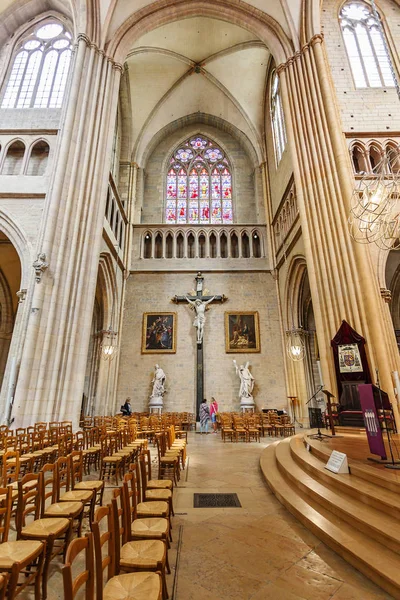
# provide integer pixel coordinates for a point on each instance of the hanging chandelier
(109, 344)
(295, 343)
(375, 207)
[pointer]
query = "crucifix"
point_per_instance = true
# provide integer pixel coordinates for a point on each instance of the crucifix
(199, 303)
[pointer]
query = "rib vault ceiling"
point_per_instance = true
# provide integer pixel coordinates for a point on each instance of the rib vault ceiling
(197, 65)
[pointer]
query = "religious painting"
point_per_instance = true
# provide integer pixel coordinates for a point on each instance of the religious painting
(242, 332)
(349, 358)
(159, 333)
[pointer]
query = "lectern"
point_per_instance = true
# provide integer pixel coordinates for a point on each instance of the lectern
(329, 395)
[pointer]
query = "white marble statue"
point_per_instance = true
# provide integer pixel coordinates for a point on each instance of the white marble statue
(246, 383)
(158, 381)
(200, 318)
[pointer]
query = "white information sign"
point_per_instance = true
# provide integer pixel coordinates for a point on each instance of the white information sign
(337, 462)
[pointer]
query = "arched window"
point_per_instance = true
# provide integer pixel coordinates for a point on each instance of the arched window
(278, 122)
(38, 76)
(199, 184)
(365, 46)
(38, 159)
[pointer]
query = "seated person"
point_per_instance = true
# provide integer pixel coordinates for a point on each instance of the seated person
(126, 408)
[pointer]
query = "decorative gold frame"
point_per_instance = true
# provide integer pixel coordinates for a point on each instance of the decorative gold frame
(242, 350)
(144, 331)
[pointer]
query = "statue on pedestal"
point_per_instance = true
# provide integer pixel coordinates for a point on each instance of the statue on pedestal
(246, 384)
(156, 398)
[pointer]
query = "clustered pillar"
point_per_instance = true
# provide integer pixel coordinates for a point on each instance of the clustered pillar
(343, 283)
(54, 358)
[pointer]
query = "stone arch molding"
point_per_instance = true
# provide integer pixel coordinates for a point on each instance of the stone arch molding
(108, 285)
(162, 12)
(293, 284)
(192, 125)
(19, 239)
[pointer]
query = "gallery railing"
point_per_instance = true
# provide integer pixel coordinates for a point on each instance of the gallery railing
(189, 244)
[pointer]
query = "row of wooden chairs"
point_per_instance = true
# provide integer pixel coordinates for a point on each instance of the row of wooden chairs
(251, 426)
(129, 540)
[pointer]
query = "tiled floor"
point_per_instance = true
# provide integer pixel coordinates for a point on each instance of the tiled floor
(257, 552)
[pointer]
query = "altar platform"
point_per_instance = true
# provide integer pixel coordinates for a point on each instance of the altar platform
(355, 514)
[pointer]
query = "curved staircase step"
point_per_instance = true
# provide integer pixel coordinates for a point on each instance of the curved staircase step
(367, 492)
(390, 480)
(375, 561)
(383, 528)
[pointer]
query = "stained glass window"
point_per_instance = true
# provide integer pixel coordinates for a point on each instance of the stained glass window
(39, 72)
(199, 184)
(278, 122)
(365, 46)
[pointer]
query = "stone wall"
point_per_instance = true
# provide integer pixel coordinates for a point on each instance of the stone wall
(150, 292)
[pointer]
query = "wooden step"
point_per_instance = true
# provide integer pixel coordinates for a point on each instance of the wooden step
(360, 489)
(375, 561)
(383, 528)
(383, 477)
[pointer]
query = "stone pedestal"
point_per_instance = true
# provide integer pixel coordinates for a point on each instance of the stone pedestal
(247, 403)
(156, 404)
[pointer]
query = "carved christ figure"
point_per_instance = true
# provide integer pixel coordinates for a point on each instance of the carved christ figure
(200, 318)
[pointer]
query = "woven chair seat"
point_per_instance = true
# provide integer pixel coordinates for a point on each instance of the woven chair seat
(77, 496)
(19, 551)
(160, 494)
(159, 484)
(133, 586)
(64, 509)
(46, 527)
(142, 553)
(149, 527)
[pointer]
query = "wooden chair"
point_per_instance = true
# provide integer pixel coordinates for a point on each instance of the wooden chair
(22, 560)
(85, 577)
(138, 586)
(151, 521)
(227, 430)
(4, 577)
(253, 431)
(137, 555)
(69, 510)
(154, 494)
(168, 464)
(48, 530)
(154, 484)
(240, 429)
(94, 485)
(110, 465)
(156, 508)
(63, 491)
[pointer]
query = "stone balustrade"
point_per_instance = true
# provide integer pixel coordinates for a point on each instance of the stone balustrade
(162, 247)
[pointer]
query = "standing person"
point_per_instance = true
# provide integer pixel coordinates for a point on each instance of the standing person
(204, 416)
(213, 413)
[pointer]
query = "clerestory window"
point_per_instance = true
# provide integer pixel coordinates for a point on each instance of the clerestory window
(365, 46)
(39, 71)
(199, 184)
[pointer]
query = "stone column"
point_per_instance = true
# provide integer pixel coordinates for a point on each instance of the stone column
(52, 372)
(342, 280)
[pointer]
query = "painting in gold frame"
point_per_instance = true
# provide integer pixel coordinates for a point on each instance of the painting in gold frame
(159, 333)
(242, 332)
